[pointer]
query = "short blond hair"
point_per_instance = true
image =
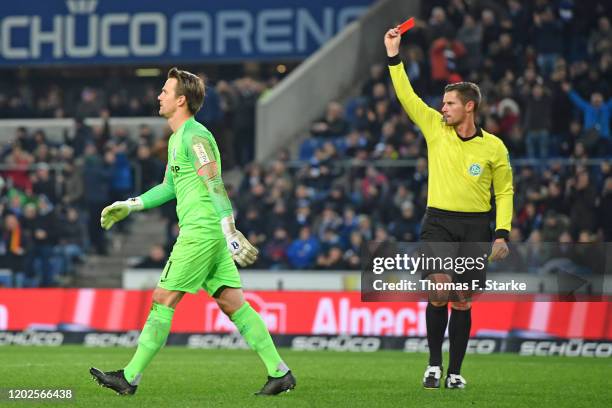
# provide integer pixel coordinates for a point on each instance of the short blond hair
(190, 86)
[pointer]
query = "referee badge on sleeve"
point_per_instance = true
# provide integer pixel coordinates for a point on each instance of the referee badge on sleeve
(475, 169)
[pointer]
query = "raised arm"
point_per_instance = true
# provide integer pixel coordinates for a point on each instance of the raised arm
(577, 100)
(426, 118)
(204, 162)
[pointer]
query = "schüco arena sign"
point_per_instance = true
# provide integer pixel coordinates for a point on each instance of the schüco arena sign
(94, 31)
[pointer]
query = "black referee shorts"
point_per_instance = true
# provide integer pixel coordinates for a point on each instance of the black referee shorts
(460, 236)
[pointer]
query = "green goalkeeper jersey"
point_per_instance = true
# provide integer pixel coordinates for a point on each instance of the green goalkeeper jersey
(194, 207)
(189, 148)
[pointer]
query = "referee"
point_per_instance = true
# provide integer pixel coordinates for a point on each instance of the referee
(464, 161)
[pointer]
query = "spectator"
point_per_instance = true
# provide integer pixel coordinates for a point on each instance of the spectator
(582, 197)
(444, 57)
(155, 260)
(275, 251)
(71, 240)
(97, 175)
(83, 135)
(150, 168)
(406, 228)
(303, 251)
(600, 41)
(490, 29)
(596, 118)
(121, 179)
(13, 248)
(332, 259)
(439, 26)
(470, 35)
(547, 39)
(332, 124)
(39, 227)
(537, 121)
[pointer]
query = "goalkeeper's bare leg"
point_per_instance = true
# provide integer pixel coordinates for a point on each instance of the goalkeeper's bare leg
(253, 329)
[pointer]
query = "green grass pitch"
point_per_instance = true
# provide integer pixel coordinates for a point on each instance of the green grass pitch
(182, 377)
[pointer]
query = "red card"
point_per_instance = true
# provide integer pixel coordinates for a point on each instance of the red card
(406, 25)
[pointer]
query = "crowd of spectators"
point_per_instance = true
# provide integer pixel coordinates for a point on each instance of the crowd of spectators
(544, 68)
(52, 194)
(229, 111)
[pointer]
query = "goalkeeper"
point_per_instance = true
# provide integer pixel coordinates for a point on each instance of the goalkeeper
(208, 244)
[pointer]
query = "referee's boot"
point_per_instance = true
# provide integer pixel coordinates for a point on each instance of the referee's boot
(115, 380)
(431, 378)
(277, 385)
(455, 381)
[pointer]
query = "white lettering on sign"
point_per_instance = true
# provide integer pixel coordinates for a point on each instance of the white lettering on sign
(3, 317)
(345, 319)
(85, 33)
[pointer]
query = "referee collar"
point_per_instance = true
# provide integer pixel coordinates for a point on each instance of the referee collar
(477, 134)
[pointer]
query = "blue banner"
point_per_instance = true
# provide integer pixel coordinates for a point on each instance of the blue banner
(139, 31)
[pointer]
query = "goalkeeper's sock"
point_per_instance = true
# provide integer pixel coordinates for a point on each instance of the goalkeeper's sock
(436, 318)
(254, 331)
(151, 340)
(458, 335)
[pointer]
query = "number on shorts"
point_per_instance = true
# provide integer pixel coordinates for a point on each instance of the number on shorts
(167, 269)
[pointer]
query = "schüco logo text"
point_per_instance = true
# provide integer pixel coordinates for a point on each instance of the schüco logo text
(339, 343)
(129, 339)
(571, 348)
(31, 338)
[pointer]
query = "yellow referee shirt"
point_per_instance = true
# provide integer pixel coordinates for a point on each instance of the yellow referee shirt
(461, 171)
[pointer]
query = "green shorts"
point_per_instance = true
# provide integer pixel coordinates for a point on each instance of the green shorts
(195, 264)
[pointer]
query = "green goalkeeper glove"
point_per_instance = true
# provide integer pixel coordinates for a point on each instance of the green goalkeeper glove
(118, 211)
(243, 252)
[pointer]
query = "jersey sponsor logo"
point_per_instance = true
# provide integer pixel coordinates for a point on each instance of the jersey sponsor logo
(201, 153)
(475, 169)
(175, 170)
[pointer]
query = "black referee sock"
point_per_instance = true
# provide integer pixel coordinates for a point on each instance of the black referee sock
(436, 318)
(458, 334)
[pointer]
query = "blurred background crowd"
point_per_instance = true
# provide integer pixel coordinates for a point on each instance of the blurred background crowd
(545, 71)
